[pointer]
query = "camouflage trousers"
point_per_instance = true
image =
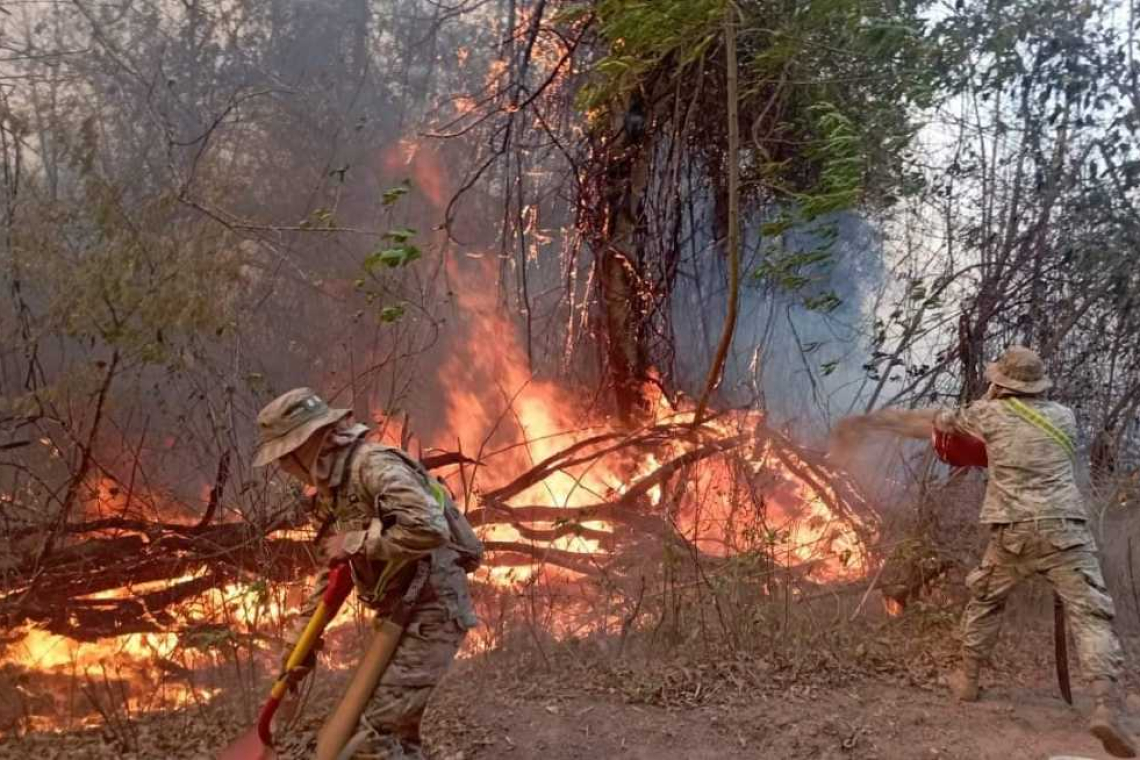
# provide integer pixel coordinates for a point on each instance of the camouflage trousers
(1063, 552)
(390, 726)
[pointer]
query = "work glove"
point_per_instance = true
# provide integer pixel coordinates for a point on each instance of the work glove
(300, 672)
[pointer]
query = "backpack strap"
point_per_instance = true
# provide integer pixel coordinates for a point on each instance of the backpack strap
(1041, 422)
(345, 481)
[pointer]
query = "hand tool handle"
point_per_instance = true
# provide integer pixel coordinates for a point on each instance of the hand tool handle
(341, 725)
(338, 589)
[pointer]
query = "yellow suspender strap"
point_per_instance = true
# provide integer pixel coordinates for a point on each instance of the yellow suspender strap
(1041, 422)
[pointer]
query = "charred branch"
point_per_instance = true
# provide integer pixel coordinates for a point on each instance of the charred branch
(519, 554)
(217, 489)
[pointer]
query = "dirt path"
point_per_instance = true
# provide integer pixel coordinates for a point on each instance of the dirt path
(862, 721)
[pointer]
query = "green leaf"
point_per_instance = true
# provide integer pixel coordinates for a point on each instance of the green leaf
(393, 194)
(778, 227)
(391, 314)
(398, 256)
(572, 13)
(400, 235)
(322, 217)
(824, 302)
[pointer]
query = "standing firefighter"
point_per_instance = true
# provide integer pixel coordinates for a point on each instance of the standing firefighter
(1037, 525)
(398, 529)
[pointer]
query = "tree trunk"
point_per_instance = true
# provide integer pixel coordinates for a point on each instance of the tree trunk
(623, 302)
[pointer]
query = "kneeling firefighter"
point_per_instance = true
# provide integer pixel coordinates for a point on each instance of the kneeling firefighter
(1036, 522)
(406, 543)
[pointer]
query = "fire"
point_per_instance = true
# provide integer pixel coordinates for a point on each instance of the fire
(725, 505)
(768, 501)
(43, 651)
(893, 607)
(525, 420)
(104, 496)
(126, 661)
(233, 614)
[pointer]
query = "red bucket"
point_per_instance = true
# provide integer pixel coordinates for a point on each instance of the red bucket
(960, 450)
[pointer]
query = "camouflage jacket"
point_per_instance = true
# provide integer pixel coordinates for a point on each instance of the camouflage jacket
(1031, 476)
(391, 519)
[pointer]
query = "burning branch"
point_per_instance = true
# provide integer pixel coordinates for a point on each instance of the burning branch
(531, 554)
(588, 538)
(148, 552)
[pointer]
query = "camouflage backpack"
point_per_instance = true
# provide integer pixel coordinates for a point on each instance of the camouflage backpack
(464, 541)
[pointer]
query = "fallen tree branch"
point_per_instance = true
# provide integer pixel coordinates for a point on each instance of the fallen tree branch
(579, 562)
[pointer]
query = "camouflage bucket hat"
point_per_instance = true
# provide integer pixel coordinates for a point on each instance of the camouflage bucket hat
(1019, 369)
(287, 422)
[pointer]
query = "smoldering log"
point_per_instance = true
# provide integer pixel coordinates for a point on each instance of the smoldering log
(53, 596)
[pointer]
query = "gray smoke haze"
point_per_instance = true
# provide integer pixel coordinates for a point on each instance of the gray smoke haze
(803, 365)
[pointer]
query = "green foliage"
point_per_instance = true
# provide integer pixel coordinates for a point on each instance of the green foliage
(394, 194)
(400, 254)
(130, 280)
(829, 90)
(824, 302)
(789, 271)
(392, 314)
(396, 256)
(643, 35)
(320, 219)
(400, 235)
(845, 78)
(839, 153)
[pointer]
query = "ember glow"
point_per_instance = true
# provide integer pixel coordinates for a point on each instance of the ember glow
(148, 665)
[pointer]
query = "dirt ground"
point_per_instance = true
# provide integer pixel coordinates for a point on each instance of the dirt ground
(864, 720)
(883, 702)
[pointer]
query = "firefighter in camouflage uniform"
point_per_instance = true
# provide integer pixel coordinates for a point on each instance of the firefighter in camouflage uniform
(1038, 525)
(388, 517)
(1036, 521)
